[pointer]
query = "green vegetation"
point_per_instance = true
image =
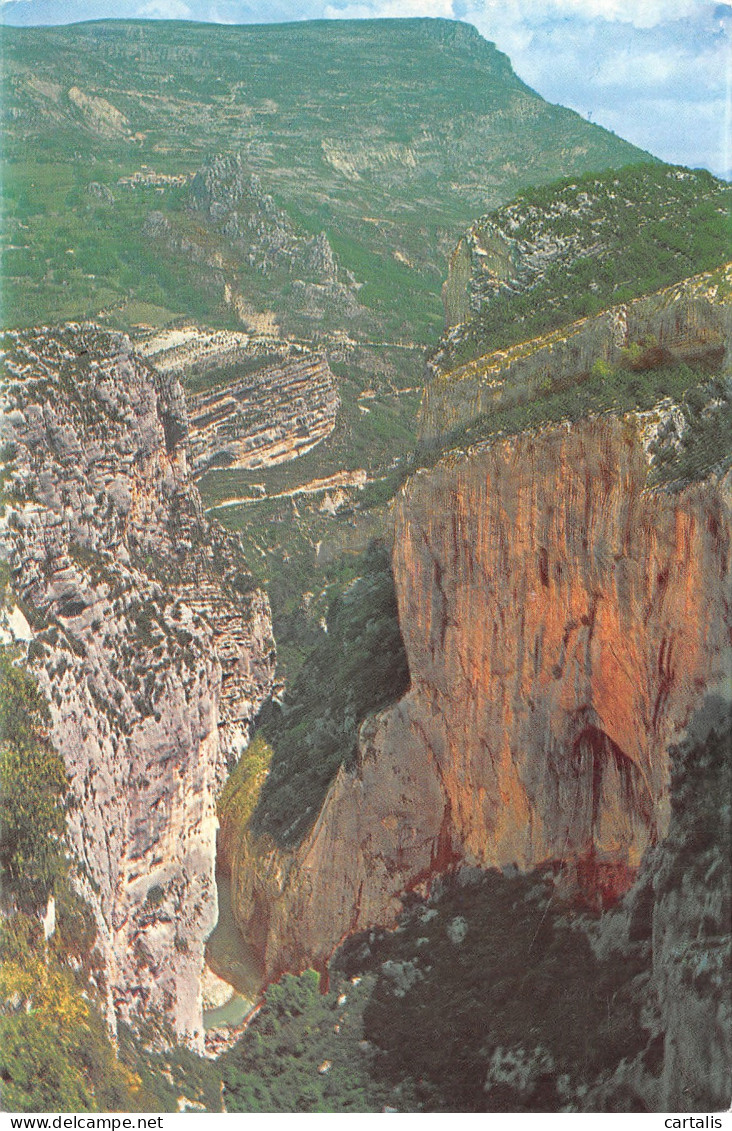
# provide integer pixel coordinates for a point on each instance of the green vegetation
(700, 830)
(706, 440)
(487, 998)
(622, 234)
(380, 392)
(496, 975)
(357, 666)
(403, 133)
(303, 554)
(240, 794)
(32, 789)
(522, 980)
(55, 1051)
(490, 996)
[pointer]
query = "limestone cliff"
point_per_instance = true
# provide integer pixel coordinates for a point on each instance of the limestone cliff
(561, 621)
(150, 641)
(252, 402)
(272, 415)
(678, 914)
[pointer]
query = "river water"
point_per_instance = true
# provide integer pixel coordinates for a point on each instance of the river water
(229, 956)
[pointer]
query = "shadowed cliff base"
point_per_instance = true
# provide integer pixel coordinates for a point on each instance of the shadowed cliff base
(522, 999)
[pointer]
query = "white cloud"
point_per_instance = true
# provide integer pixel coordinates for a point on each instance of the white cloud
(684, 133)
(655, 71)
(638, 13)
(165, 10)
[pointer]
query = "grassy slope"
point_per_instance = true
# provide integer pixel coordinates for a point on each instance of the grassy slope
(402, 133)
(623, 234)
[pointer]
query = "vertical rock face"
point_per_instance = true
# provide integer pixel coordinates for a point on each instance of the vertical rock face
(561, 621)
(685, 322)
(150, 642)
(565, 639)
(264, 401)
(678, 913)
(691, 979)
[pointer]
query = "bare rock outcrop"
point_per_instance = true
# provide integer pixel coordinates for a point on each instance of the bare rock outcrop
(150, 641)
(268, 416)
(262, 401)
(233, 201)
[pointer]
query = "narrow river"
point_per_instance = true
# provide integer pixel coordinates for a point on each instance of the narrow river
(229, 956)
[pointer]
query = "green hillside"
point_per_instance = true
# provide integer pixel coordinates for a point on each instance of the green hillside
(568, 250)
(388, 136)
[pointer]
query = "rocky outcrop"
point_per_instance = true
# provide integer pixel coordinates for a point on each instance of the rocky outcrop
(150, 641)
(263, 401)
(241, 218)
(562, 622)
(266, 417)
(693, 994)
(679, 914)
(233, 200)
(688, 321)
(98, 114)
(189, 351)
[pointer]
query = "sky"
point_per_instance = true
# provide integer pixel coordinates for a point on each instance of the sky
(657, 72)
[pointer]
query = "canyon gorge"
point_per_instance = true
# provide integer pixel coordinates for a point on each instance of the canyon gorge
(386, 660)
(151, 646)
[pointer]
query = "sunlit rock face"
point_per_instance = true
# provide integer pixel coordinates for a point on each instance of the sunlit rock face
(149, 640)
(562, 621)
(563, 643)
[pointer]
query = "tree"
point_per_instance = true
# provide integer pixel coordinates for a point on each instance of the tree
(33, 784)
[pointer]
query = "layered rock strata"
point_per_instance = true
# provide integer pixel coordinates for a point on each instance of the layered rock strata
(562, 621)
(268, 416)
(150, 641)
(193, 350)
(264, 402)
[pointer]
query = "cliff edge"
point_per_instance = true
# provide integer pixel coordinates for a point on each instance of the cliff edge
(149, 640)
(564, 614)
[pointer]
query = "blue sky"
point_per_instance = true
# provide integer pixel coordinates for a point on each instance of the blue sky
(657, 72)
